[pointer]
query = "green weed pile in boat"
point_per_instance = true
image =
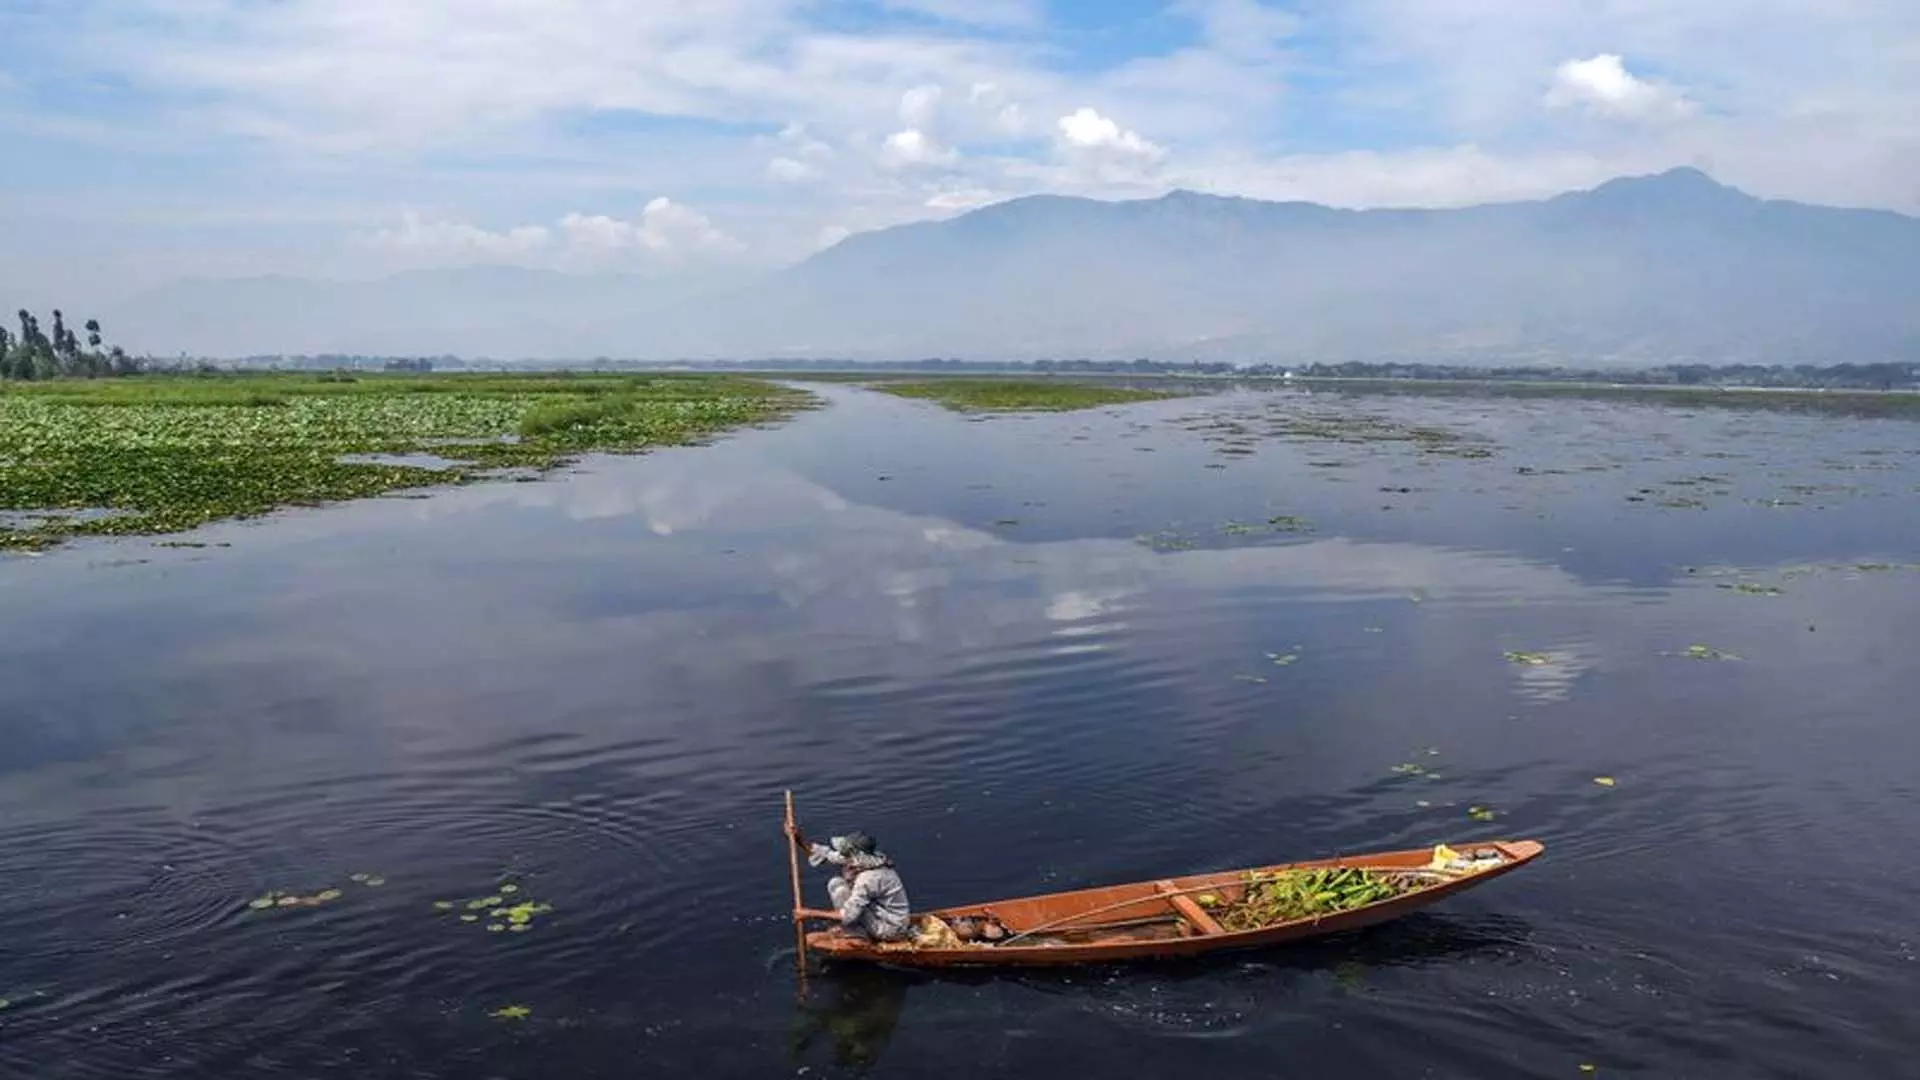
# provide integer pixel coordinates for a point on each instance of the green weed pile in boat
(1285, 895)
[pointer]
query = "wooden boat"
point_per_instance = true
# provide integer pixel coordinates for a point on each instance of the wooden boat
(1166, 918)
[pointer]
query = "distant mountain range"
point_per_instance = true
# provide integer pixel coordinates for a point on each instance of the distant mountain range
(1673, 267)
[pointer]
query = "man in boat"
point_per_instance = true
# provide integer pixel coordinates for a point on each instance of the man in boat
(868, 896)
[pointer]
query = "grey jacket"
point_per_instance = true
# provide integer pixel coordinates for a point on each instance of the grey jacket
(875, 901)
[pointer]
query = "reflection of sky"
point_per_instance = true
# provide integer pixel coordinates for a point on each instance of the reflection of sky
(715, 585)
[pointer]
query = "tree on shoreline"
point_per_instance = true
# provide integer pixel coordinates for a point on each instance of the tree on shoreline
(33, 355)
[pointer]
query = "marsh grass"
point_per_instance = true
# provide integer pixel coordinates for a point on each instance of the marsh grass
(172, 453)
(1009, 395)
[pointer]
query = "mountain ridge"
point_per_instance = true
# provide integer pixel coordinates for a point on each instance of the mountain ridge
(1672, 266)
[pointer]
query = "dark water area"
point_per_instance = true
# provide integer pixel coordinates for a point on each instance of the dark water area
(1030, 653)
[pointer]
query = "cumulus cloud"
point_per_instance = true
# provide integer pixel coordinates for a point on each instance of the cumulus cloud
(914, 148)
(1098, 145)
(456, 241)
(830, 236)
(1602, 84)
(664, 227)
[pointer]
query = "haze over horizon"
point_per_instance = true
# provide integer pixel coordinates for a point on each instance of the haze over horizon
(1642, 270)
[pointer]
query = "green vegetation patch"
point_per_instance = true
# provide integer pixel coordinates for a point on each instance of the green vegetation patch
(1283, 896)
(160, 454)
(1008, 395)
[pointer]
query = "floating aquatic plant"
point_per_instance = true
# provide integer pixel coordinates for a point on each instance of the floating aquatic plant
(1751, 589)
(1532, 659)
(278, 898)
(500, 914)
(1705, 652)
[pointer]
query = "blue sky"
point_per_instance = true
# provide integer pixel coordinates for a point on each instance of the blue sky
(148, 140)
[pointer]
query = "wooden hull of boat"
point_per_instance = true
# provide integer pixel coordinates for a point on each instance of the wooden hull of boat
(1148, 920)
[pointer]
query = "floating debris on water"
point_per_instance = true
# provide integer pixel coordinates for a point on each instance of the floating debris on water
(1481, 813)
(1751, 588)
(1604, 781)
(1532, 659)
(511, 1012)
(1705, 652)
(279, 898)
(1285, 659)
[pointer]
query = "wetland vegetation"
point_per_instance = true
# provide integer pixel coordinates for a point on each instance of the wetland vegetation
(162, 454)
(1028, 394)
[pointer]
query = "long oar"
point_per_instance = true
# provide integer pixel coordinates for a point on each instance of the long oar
(793, 863)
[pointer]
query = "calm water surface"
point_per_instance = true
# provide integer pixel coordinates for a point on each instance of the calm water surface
(1028, 652)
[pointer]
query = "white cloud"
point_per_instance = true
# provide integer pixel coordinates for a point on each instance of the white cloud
(914, 148)
(418, 237)
(791, 171)
(830, 235)
(1099, 146)
(664, 226)
(963, 199)
(1086, 129)
(1602, 84)
(920, 107)
(663, 230)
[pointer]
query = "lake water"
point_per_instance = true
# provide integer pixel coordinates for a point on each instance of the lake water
(1028, 652)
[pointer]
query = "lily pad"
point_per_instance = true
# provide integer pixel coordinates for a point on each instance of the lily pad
(1706, 652)
(509, 889)
(511, 1012)
(373, 881)
(443, 905)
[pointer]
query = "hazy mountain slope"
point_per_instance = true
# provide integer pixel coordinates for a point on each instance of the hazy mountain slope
(1648, 269)
(1654, 268)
